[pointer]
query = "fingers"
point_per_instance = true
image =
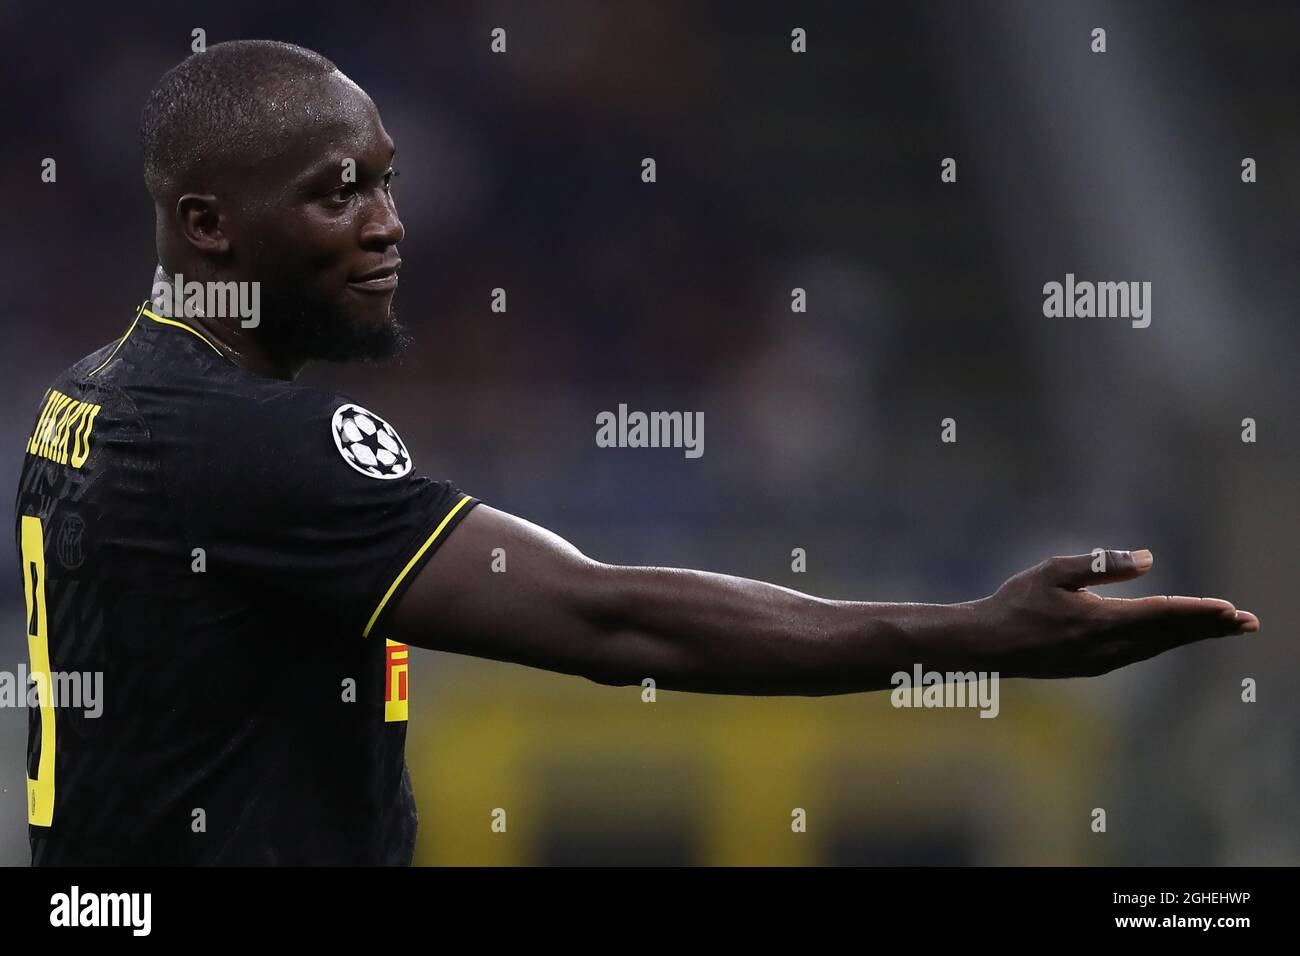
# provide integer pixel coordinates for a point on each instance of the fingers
(1171, 607)
(1101, 567)
(1176, 618)
(1175, 607)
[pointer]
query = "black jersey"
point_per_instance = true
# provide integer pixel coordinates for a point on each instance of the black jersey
(221, 548)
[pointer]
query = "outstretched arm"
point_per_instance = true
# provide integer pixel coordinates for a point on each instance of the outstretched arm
(556, 609)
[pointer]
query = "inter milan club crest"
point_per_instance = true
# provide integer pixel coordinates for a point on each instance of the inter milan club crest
(68, 543)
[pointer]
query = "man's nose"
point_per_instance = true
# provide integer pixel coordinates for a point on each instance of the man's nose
(383, 228)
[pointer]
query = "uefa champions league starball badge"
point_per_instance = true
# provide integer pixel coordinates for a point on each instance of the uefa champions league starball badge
(369, 444)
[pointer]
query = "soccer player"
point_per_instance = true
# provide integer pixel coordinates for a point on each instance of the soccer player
(246, 559)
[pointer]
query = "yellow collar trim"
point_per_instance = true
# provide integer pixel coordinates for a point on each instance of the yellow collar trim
(181, 325)
(120, 342)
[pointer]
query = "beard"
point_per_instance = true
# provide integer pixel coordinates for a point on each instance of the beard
(302, 330)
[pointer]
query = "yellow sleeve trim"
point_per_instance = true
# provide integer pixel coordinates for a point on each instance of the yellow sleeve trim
(412, 563)
(182, 325)
(120, 342)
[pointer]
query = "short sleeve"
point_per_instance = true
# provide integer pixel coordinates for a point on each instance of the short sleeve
(314, 499)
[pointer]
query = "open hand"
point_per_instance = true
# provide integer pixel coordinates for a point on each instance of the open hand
(1052, 626)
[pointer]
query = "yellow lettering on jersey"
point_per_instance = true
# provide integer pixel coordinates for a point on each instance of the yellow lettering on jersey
(43, 449)
(395, 680)
(59, 426)
(43, 423)
(63, 421)
(52, 398)
(81, 448)
(75, 412)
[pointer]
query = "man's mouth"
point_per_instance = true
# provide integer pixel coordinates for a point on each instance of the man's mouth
(381, 279)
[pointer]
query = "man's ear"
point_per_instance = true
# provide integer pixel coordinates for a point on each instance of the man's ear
(203, 222)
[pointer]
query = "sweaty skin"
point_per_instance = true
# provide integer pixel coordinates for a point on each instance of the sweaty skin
(327, 250)
(324, 249)
(693, 630)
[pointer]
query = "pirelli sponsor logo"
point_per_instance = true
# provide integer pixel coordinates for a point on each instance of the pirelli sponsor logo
(395, 680)
(63, 430)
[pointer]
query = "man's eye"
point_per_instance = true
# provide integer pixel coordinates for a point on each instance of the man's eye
(342, 194)
(388, 180)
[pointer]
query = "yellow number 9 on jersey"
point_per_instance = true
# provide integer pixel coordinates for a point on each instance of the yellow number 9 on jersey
(40, 792)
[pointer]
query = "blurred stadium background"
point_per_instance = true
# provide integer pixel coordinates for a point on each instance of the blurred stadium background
(822, 430)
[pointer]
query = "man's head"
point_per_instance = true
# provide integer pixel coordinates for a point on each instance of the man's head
(249, 149)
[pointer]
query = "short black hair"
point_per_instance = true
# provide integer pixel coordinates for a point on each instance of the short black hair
(214, 103)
